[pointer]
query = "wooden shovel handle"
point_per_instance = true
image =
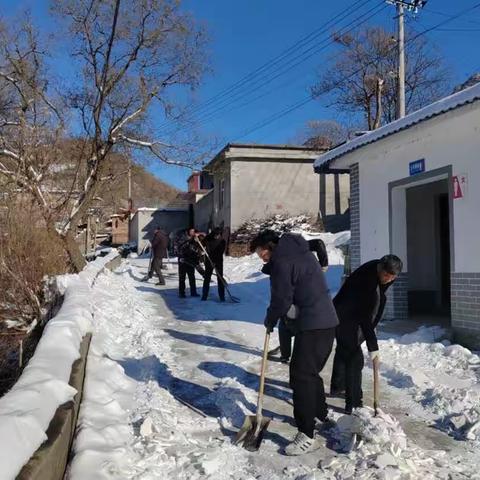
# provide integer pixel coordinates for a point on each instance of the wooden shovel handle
(376, 384)
(262, 376)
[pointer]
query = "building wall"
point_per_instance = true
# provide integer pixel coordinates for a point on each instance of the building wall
(450, 140)
(261, 188)
(203, 212)
(355, 239)
(168, 220)
(222, 202)
(120, 233)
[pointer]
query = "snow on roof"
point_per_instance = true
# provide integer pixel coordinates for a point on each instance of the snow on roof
(469, 95)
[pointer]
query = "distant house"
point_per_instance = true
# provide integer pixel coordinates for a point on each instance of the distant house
(119, 229)
(414, 192)
(172, 217)
(258, 181)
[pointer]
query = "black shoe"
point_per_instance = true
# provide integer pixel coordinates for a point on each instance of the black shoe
(145, 279)
(160, 283)
(203, 299)
(194, 295)
(182, 295)
(274, 352)
(337, 393)
(222, 299)
(284, 359)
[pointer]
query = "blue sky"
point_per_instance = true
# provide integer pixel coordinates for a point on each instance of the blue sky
(248, 33)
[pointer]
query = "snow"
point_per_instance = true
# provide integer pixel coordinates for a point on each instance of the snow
(27, 409)
(469, 95)
(170, 381)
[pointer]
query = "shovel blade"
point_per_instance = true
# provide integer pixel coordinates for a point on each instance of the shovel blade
(252, 432)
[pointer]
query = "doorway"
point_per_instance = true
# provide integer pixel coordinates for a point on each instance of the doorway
(428, 250)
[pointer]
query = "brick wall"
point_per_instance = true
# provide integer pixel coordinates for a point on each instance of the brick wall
(466, 300)
(355, 217)
(397, 303)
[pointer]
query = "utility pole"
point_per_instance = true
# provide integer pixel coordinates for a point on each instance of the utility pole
(411, 6)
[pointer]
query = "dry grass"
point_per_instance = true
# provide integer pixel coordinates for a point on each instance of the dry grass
(28, 255)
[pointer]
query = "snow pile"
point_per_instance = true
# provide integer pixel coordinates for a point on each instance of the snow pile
(280, 223)
(442, 378)
(382, 451)
(27, 409)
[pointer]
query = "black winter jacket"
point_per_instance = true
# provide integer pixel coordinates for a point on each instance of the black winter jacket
(297, 278)
(317, 245)
(360, 304)
(187, 249)
(215, 248)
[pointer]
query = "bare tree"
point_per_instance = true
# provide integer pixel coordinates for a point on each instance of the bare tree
(127, 55)
(322, 134)
(362, 78)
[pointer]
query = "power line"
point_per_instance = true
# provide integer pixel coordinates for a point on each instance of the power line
(308, 99)
(301, 43)
(299, 59)
(443, 14)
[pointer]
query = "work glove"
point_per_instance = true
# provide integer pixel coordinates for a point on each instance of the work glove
(269, 325)
(374, 356)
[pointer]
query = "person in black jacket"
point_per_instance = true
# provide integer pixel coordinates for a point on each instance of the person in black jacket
(215, 247)
(297, 280)
(317, 245)
(285, 334)
(188, 260)
(360, 304)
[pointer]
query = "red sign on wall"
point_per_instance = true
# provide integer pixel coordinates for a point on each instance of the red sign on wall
(459, 186)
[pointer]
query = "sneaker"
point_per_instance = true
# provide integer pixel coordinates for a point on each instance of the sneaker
(274, 352)
(301, 444)
(284, 360)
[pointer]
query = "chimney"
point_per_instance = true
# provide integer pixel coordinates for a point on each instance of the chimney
(194, 182)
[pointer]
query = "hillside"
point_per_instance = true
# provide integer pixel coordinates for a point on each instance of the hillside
(147, 190)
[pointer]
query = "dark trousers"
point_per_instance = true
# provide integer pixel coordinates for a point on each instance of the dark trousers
(347, 373)
(209, 269)
(285, 336)
(185, 269)
(311, 350)
(156, 266)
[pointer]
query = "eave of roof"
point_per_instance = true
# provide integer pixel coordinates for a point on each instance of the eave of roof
(447, 104)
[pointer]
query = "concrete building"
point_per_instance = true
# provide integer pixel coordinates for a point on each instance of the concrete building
(414, 193)
(145, 220)
(257, 181)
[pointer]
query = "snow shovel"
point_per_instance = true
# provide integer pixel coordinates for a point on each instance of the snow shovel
(219, 276)
(357, 438)
(255, 426)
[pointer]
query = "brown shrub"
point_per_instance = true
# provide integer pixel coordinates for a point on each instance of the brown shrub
(28, 253)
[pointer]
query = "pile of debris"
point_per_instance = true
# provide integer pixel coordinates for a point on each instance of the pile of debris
(280, 223)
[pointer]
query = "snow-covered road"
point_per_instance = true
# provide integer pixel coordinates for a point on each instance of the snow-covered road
(170, 380)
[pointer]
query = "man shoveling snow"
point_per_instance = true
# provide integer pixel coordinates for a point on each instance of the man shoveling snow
(296, 278)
